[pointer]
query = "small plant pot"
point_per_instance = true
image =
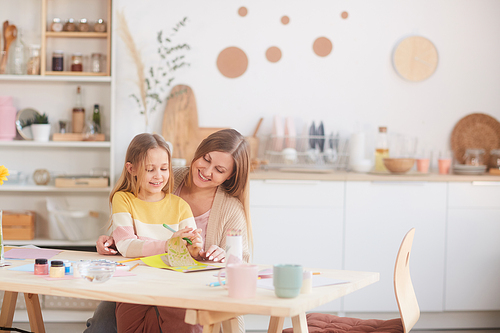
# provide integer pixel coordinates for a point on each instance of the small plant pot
(41, 132)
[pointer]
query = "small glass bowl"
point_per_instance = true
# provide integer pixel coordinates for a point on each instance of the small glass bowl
(96, 271)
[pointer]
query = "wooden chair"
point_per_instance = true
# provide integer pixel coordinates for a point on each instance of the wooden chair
(405, 296)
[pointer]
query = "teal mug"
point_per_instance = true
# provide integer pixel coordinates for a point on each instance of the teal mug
(287, 280)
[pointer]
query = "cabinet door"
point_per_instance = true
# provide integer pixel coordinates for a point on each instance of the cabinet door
(378, 215)
(300, 223)
(473, 248)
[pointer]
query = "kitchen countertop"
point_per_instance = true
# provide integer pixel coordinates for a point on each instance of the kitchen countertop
(288, 174)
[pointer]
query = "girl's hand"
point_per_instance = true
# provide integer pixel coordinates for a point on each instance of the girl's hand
(106, 245)
(197, 246)
(214, 253)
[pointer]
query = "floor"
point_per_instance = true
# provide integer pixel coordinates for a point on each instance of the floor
(79, 327)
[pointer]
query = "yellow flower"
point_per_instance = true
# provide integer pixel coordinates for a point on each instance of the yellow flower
(4, 172)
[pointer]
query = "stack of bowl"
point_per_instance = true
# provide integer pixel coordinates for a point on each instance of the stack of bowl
(399, 165)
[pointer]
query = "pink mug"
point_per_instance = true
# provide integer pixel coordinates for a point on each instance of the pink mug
(241, 280)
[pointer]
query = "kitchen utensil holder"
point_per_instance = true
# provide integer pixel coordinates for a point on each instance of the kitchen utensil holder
(298, 152)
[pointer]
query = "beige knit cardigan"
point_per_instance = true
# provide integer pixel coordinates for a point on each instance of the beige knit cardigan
(227, 213)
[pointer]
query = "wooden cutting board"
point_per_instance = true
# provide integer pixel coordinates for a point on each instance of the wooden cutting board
(180, 122)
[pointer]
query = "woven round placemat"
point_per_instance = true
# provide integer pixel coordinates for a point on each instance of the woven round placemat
(477, 130)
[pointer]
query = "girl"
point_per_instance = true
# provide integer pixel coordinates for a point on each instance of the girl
(142, 201)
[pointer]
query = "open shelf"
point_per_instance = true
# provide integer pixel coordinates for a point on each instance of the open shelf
(59, 77)
(56, 144)
(49, 188)
(76, 34)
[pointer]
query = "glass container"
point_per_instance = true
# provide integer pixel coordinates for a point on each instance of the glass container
(494, 162)
(58, 61)
(100, 26)
(95, 61)
(77, 62)
(56, 25)
(69, 25)
(84, 25)
(474, 157)
(33, 66)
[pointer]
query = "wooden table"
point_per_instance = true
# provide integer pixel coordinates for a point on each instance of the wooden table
(208, 306)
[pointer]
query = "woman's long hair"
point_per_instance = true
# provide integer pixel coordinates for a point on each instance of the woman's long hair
(137, 153)
(237, 185)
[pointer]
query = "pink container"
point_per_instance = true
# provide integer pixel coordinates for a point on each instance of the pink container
(7, 119)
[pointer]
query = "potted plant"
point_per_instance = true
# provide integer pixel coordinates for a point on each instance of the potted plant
(41, 127)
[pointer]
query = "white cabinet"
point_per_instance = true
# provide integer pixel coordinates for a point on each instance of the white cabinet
(299, 222)
(378, 215)
(473, 247)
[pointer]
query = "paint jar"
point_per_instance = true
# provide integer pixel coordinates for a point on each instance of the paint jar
(41, 266)
(56, 269)
(306, 282)
(67, 267)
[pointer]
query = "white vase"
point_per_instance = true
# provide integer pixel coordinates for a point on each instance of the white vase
(41, 132)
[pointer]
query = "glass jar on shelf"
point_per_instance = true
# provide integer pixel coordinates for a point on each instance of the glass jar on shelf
(77, 62)
(69, 25)
(33, 66)
(474, 157)
(84, 25)
(58, 61)
(56, 25)
(100, 26)
(95, 62)
(494, 162)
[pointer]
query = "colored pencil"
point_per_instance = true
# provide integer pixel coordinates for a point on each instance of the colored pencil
(127, 260)
(133, 267)
(185, 238)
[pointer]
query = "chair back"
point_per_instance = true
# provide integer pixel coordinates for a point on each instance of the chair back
(403, 288)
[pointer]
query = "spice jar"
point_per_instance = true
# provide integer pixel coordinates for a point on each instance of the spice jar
(56, 25)
(100, 26)
(84, 25)
(95, 61)
(56, 269)
(77, 62)
(494, 159)
(474, 157)
(69, 25)
(58, 61)
(33, 65)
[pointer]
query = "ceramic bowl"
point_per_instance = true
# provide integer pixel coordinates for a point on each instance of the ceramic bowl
(364, 165)
(96, 271)
(399, 165)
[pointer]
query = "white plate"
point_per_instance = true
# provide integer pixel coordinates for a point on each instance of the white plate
(469, 167)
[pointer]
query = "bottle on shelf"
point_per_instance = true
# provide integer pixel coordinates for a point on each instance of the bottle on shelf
(100, 26)
(96, 118)
(17, 56)
(56, 25)
(381, 149)
(33, 66)
(78, 114)
(58, 61)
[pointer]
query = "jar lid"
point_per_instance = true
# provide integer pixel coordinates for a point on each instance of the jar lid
(83, 20)
(100, 21)
(56, 263)
(71, 20)
(41, 261)
(77, 54)
(56, 20)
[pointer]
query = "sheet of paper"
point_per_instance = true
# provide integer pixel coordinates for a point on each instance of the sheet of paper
(26, 253)
(158, 262)
(317, 281)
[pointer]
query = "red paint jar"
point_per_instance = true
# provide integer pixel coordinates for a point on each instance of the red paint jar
(41, 267)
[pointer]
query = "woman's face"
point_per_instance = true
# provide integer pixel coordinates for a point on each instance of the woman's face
(212, 169)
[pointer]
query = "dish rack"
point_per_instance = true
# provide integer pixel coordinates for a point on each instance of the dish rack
(304, 152)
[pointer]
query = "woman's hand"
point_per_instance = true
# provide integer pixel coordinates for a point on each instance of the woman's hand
(214, 253)
(106, 245)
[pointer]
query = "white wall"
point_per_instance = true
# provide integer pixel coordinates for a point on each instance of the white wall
(355, 83)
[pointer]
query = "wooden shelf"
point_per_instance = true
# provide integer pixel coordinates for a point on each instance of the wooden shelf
(75, 73)
(50, 242)
(49, 188)
(56, 144)
(76, 34)
(58, 77)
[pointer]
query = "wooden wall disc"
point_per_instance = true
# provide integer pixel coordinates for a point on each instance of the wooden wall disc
(273, 54)
(415, 58)
(322, 46)
(232, 62)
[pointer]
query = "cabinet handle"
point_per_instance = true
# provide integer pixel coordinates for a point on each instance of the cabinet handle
(290, 181)
(385, 182)
(485, 183)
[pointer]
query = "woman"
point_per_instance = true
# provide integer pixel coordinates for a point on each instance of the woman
(216, 188)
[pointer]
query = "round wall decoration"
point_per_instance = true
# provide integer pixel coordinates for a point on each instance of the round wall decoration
(273, 54)
(285, 20)
(242, 11)
(232, 62)
(415, 58)
(322, 46)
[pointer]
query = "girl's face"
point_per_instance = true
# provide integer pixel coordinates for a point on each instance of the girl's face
(212, 169)
(155, 175)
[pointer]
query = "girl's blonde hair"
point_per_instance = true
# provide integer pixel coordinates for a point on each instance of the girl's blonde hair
(137, 153)
(237, 185)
